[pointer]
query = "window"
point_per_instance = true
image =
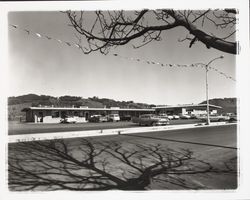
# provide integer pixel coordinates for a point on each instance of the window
(55, 114)
(48, 113)
(81, 114)
(76, 113)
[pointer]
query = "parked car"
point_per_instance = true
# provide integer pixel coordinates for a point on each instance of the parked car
(68, 119)
(176, 116)
(170, 117)
(215, 118)
(232, 118)
(150, 120)
(126, 118)
(113, 118)
(98, 118)
(165, 116)
(103, 118)
(183, 116)
(193, 116)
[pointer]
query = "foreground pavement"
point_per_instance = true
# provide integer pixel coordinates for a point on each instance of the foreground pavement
(201, 157)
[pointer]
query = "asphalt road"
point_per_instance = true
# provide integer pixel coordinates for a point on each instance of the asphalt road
(27, 128)
(216, 146)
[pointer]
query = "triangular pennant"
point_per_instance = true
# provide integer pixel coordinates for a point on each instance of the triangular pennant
(27, 31)
(49, 38)
(68, 43)
(15, 26)
(38, 35)
(77, 45)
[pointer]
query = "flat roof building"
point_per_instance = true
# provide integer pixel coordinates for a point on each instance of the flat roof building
(82, 114)
(55, 114)
(187, 109)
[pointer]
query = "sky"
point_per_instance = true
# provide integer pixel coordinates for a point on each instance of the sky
(41, 66)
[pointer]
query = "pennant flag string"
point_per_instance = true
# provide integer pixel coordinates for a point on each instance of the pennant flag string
(39, 35)
(222, 73)
(176, 65)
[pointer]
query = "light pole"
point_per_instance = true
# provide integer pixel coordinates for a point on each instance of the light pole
(221, 57)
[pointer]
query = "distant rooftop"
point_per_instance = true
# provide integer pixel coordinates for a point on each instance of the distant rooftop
(187, 106)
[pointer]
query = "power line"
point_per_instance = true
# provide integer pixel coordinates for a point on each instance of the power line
(150, 62)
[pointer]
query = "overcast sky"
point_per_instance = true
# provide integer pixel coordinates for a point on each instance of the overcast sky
(41, 66)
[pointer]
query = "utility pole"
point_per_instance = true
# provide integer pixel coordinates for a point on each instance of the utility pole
(207, 98)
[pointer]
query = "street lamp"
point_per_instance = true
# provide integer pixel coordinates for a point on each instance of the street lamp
(221, 57)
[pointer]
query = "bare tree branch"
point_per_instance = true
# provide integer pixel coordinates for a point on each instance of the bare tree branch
(119, 27)
(59, 165)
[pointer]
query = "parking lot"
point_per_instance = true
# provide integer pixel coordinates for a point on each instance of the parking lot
(27, 128)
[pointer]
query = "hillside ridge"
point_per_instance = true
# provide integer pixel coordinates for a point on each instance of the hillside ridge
(16, 104)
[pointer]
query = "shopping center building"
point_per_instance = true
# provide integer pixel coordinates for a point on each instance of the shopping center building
(82, 114)
(55, 114)
(187, 109)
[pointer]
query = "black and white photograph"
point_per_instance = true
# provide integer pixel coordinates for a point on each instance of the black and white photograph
(123, 98)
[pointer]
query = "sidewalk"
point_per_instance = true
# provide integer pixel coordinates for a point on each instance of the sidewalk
(92, 133)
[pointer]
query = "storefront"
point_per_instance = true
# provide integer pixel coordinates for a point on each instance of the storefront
(55, 114)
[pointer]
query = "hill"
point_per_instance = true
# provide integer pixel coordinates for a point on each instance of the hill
(16, 104)
(229, 105)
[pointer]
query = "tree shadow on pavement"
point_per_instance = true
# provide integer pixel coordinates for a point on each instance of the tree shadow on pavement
(88, 165)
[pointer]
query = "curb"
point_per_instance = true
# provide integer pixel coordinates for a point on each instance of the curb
(96, 133)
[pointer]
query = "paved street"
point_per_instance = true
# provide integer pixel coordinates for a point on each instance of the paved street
(27, 128)
(210, 146)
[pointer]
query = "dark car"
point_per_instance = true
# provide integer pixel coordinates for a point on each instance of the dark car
(150, 120)
(98, 118)
(68, 119)
(126, 118)
(233, 118)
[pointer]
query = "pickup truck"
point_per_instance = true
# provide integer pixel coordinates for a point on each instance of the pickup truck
(150, 120)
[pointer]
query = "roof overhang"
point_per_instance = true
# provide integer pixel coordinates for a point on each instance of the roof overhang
(87, 109)
(188, 106)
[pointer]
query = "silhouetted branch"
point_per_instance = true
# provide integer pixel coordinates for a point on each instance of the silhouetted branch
(113, 28)
(86, 165)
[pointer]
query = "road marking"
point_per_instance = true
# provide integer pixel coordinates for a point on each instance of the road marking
(102, 132)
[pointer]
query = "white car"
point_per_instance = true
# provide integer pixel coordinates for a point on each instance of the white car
(176, 116)
(185, 116)
(215, 118)
(165, 116)
(170, 117)
(113, 118)
(68, 120)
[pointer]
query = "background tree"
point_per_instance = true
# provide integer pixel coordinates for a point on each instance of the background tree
(59, 165)
(114, 28)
